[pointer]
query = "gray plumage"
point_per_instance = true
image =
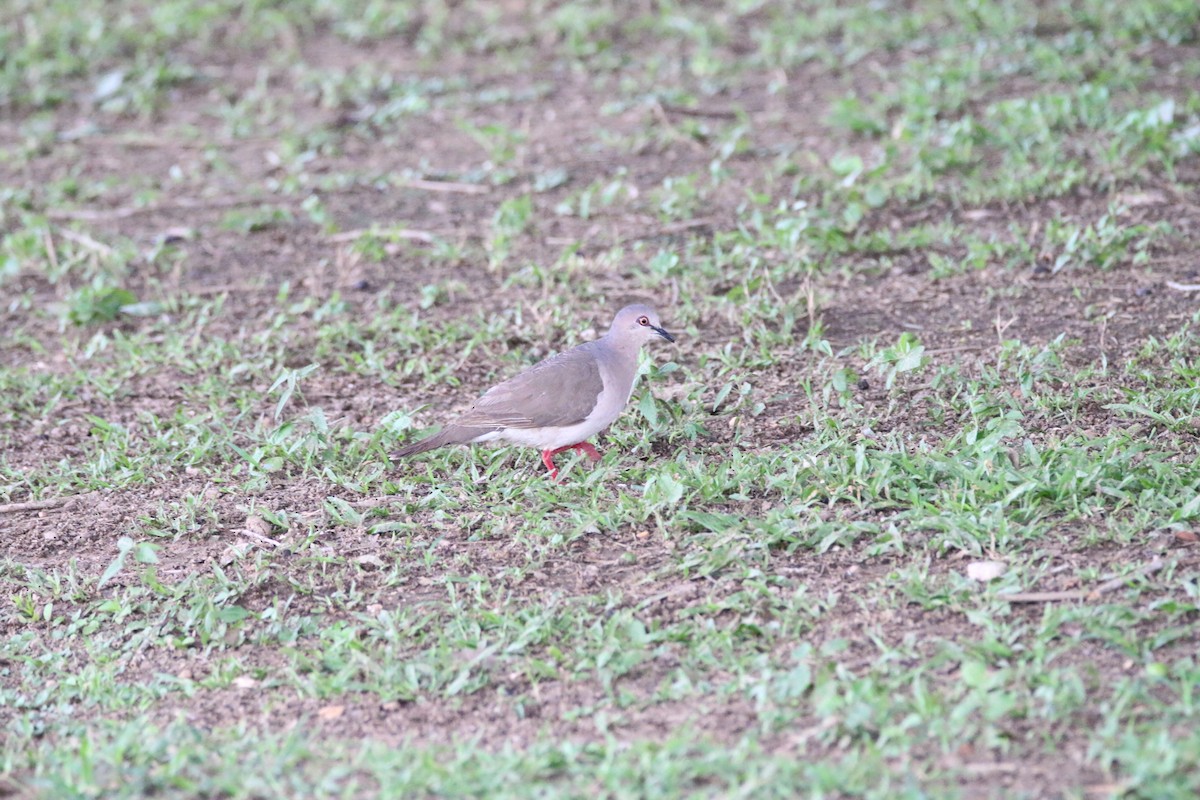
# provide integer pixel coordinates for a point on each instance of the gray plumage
(561, 401)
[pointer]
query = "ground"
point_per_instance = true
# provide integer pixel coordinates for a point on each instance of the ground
(910, 508)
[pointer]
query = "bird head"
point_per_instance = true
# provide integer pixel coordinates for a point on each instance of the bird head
(638, 323)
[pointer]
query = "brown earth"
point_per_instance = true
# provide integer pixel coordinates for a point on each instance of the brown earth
(961, 318)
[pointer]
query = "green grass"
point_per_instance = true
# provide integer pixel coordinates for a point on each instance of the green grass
(917, 263)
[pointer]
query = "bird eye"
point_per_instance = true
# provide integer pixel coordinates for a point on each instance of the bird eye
(643, 320)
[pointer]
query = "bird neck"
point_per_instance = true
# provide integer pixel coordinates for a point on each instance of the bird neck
(622, 365)
(622, 347)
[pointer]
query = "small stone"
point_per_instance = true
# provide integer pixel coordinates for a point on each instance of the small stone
(984, 571)
(331, 712)
(258, 525)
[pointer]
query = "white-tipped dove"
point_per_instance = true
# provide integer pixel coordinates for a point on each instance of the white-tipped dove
(560, 402)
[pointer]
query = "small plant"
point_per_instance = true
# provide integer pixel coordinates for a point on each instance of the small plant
(678, 197)
(906, 355)
(142, 552)
(258, 219)
(508, 223)
(1101, 245)
(502, 146)
(289, 381)
(99, 302)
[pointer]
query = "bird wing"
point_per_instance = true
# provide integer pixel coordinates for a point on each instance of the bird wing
(559, 391)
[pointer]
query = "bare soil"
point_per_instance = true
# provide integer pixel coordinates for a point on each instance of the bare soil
(1106, 314)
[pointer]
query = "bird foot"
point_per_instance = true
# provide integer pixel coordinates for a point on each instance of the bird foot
(548, 460)
(587, 450)
(583, 447)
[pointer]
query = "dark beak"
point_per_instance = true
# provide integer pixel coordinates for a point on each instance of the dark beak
(662, 333)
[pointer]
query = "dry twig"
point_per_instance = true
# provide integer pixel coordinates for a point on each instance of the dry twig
(186, 204)
(382, 233)
(33, 505)
(698, 112)
(1079, 594)
(443, 186)
(84, 240)
(258, 537)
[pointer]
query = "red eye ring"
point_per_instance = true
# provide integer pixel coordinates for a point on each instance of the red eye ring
(643, 320)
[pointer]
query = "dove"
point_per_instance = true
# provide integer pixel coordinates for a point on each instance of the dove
(560, 402)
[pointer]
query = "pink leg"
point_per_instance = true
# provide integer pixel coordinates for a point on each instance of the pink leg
(548, 460)
(582, 447)
(587, 450)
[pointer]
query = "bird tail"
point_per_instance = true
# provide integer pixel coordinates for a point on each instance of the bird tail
(451, 434)
(439, 439)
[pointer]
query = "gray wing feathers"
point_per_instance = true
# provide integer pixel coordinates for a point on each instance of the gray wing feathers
(561, 390)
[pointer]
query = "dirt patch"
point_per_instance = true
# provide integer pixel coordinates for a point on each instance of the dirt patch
(178, 179)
